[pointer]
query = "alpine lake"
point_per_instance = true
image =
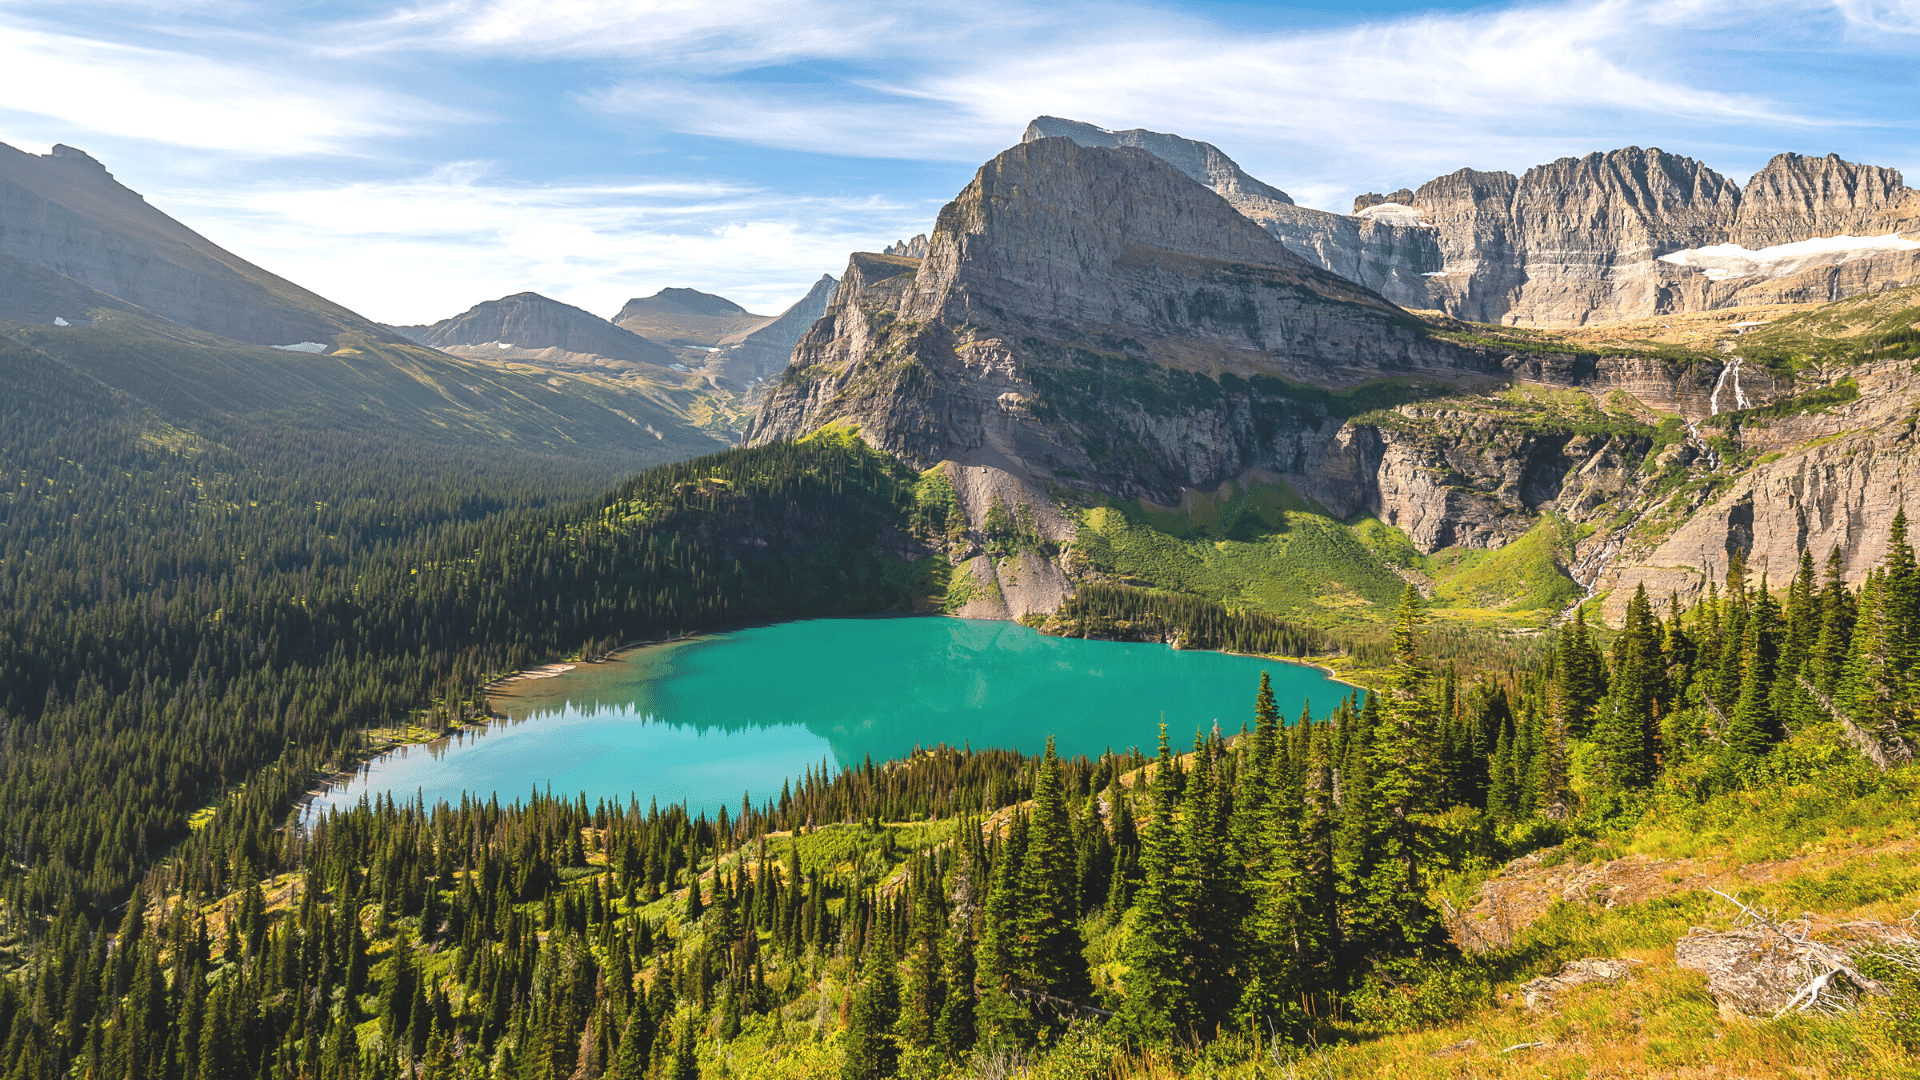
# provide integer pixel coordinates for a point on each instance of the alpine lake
(703, 719)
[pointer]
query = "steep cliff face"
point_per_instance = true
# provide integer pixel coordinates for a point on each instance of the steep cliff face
(1575, 241)
(528, 323)
(1094, 315)
(762, 352)
(1797, 198)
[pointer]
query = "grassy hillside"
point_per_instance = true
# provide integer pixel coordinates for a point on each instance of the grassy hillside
(365, 387)
(1256, 545)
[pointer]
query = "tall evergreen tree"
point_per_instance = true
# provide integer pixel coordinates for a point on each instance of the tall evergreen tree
(1159, 1004)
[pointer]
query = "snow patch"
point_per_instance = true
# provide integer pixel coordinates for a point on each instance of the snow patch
(58, 321)
(503, 344)
(1436, 273)
(1393, 213)
(304, 346)
(1724, 262)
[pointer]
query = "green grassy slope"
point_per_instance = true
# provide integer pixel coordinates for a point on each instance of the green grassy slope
(1257, 545)
(366, 386)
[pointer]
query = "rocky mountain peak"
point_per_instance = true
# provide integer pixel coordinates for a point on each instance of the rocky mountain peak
(915, 248)
(1795, 197)
(1201, 161)
(1059, 232)
(1403, 197)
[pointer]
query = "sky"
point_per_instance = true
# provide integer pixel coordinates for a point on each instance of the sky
(412, 160)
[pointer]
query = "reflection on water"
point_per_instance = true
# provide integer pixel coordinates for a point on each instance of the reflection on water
(704, 719)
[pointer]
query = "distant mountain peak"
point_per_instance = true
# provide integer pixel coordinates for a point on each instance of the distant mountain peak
(685, 301)
(531, 322)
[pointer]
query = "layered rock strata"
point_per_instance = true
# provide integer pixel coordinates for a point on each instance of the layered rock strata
(1575, 241)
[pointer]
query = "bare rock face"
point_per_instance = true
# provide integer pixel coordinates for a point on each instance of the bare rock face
(1201, 161)
(1390, 258)
(1798, 198)
(65, 213)
(1092, 315)
(760, 353)
(1575, 241)
(529, 323)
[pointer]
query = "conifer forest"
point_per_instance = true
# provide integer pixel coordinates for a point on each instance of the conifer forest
(197, 629)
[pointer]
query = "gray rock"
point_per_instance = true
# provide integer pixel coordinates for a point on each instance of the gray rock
(762, 352)
(1758, 972)
(1539, 993)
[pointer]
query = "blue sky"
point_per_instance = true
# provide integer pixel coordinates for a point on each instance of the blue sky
(411, 160)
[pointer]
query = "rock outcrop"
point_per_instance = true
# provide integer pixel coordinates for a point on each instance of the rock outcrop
(764, 351)
(915, 248)
(527, 324)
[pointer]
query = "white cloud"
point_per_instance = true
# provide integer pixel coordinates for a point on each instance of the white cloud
(423, 248)
(112, 88)
(702, 34)
(1882, 16)
(1412, 95)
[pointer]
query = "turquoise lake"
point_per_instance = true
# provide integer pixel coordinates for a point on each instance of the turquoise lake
(705, 719)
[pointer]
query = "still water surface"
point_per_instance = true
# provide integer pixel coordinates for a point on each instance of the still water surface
(705, 719)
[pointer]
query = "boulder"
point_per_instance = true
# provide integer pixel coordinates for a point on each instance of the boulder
(1539, 993)
(1761, 971)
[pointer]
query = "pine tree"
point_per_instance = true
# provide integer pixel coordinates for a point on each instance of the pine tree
(1502, 795)
(630, 1061)
(872, 1052)
(1391, 910)
(1213, 902)
(1158, 1005)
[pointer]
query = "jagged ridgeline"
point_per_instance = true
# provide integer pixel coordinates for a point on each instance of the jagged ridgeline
(1280, 894)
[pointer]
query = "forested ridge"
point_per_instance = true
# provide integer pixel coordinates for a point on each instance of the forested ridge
(181, 611)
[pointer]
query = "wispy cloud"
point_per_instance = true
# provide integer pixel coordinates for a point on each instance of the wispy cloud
(91, 84)
(1882, 16)
(1410, 91)
(422, 248)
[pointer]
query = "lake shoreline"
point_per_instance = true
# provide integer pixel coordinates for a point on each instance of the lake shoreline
(505, 693)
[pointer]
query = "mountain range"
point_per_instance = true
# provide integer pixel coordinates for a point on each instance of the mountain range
(1623, 234)
(1118, 331)
(1516, 391)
